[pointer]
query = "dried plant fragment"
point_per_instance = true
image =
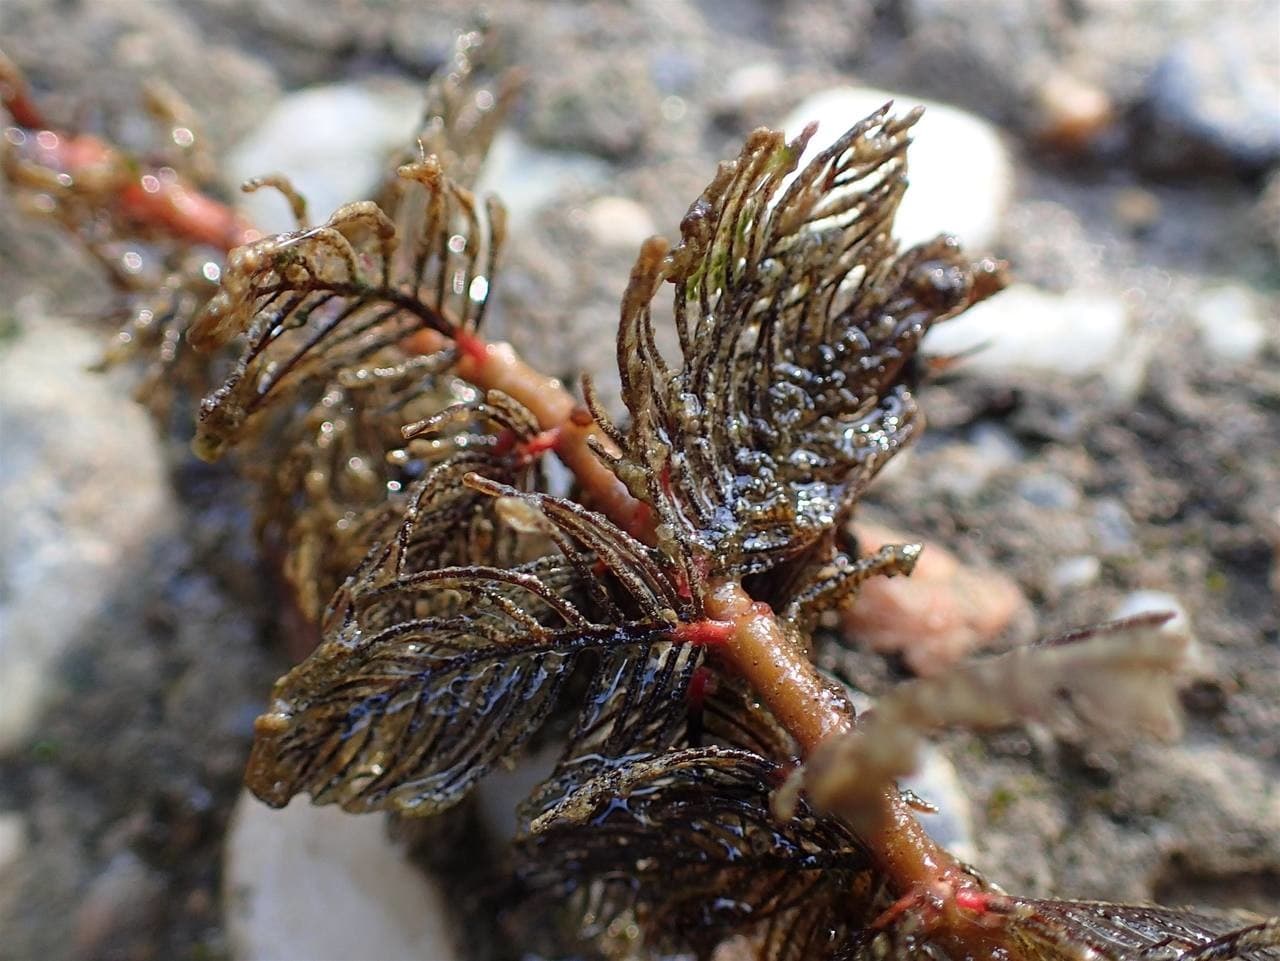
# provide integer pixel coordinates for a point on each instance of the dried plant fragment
(1118, 676)
(342, 297)
(326, 379)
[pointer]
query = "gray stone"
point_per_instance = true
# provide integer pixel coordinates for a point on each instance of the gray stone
(965, 468)
(1113, 528)
(935, 781)
(1213, 102)
(120, 902)
(1050, 491)
(84, 492)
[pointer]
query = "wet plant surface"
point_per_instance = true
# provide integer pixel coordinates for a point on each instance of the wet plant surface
(1165, 490)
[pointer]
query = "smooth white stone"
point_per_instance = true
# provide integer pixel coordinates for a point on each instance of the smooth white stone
(1227, 317)
(960, 173)
(753, 81)
(618, 222)
(1028, 329)
(13, 841)
(310, 882)
(527, 178)
(1073, 573)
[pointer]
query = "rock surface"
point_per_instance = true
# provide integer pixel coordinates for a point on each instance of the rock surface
(84, 492)
(1213, 102)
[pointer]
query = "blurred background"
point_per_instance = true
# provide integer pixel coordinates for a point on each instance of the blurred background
(1111, 448)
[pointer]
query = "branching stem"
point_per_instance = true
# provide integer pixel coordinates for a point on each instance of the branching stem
(750, 638)
(759, 647)
(498, 367)
(774, 660)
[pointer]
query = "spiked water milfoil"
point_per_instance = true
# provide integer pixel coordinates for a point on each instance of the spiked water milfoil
(711, 784)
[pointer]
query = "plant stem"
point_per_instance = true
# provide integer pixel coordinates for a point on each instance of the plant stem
(498, 367)
(774, 660)
(764, 651)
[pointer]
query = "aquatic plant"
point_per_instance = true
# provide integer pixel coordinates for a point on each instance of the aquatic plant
(713, 782)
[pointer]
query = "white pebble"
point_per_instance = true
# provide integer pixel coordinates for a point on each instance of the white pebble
(1073, 573)
(1024, 328)
(527, 178)
(961, 175)
(967, 467)
(752, 82)
(618, 222)
(311, 882)
(13, 841)
(333, 141)
(1227, 317)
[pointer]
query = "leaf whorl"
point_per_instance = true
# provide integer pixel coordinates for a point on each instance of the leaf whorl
(429, 676)
(1048, 930)
(686, 842)
(798, 325)
(330, 322)
(339, 300)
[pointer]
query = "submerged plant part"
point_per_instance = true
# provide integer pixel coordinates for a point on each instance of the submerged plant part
(713, 784)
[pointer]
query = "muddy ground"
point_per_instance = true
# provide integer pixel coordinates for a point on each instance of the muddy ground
(123, 789)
